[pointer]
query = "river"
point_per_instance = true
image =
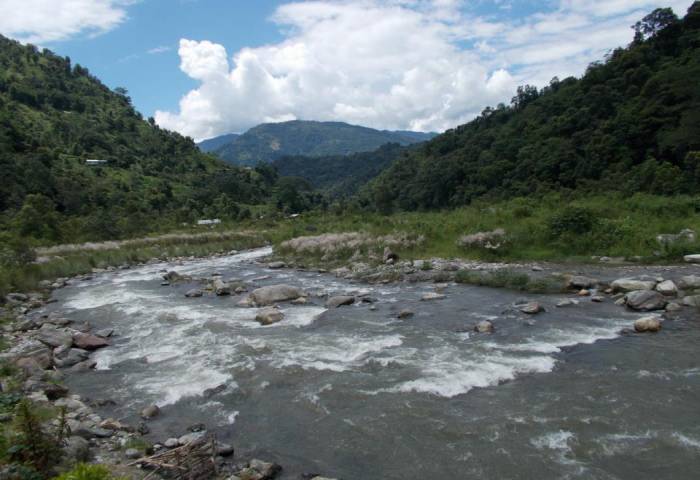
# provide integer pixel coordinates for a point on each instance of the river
(356, 393)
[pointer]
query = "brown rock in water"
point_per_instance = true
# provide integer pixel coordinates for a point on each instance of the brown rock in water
(647, 324)
(150, 412)
(87, 341)
(268, 316)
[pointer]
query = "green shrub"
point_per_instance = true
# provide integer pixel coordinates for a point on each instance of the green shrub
(572, 220)
(84, 471)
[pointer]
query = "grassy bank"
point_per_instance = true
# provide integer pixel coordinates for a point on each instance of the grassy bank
(553, 228)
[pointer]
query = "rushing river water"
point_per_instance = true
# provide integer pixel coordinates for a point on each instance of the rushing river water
(356, 393)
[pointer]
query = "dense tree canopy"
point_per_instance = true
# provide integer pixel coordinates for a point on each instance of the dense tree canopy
(54, 116)
(630, 124)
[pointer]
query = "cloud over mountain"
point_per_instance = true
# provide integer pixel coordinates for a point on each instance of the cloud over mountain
(395, 64)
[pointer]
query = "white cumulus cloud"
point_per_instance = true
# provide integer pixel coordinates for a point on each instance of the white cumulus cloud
(41, 21)
(395, 64)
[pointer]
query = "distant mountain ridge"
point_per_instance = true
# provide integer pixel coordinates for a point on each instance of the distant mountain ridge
(270, 141)
(213, 144)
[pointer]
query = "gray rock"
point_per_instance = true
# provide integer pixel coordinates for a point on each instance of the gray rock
(69, 357)
(579, 282)
(89, 431)
(194, 293)
(105, 332)
(339, 301)
(132, 453)
(673, 307)
(275, 293)
(632, 284)
(484, 326)
(150, 411)
(266, 469)
(405, 314)
(83, 366)
(269, 316)
(432, 296)
(531, 308)
(224, 449)
(597, 298)
(52, 336)
(300, 301)
(695, 258)
(77, 449)
(194, 438)
(276, 265)
(690, 281)
(220, 287)
(567, 302)
(645, 300)
(171, 443)
(692, 301)
(647, 324)
(667, 288)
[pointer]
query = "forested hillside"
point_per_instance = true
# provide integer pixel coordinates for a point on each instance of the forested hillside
(630, 124)
(54, 116)
(340, 175)
(269, 141)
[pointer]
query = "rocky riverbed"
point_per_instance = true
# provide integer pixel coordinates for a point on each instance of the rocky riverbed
(377, 372)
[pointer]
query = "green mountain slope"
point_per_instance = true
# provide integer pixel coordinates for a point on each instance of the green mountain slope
(340, 175)
(54, 116)
(630, 124)
(266, 142)
(215, 143)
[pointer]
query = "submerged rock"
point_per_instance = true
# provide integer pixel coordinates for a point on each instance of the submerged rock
(484, 326)
(405, 314)
(645, 300)
(194, 293)
(269, 316)
(339, 301)
(432, 296)
(567, 302)
(531, 308)
(275, 293)
(647, 324)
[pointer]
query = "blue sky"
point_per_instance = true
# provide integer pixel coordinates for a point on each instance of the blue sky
(208, 67)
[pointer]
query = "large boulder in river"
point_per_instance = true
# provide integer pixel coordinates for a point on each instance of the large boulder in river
(645, 300)
(275, 293)
(268, 316)
(632, 284)
(86, 341)
(692, 301)
(339, 301)
(647, 324)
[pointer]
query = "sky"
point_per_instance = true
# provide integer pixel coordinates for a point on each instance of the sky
(210, 67)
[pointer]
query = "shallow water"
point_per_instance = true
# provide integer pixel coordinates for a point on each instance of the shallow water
(358, 394)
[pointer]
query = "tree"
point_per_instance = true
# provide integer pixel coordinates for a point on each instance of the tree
(652, 24)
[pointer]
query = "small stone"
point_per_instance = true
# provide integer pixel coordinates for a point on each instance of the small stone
(276, 265)
(300, 301)
(673, 307)
(584, 293)
(339, 301)
(405, 314)
(484, 326)
(268, 316)
(667, 288)
(194, 437)
(194, 293)
(132, 453)
(149, 412)
(597, 298)
(87, 341)
(531, 308)
(567, 302)
(171, 443)
(432, 296)
(647, 324)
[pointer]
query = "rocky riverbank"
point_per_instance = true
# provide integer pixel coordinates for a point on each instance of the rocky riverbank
(46, 348)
